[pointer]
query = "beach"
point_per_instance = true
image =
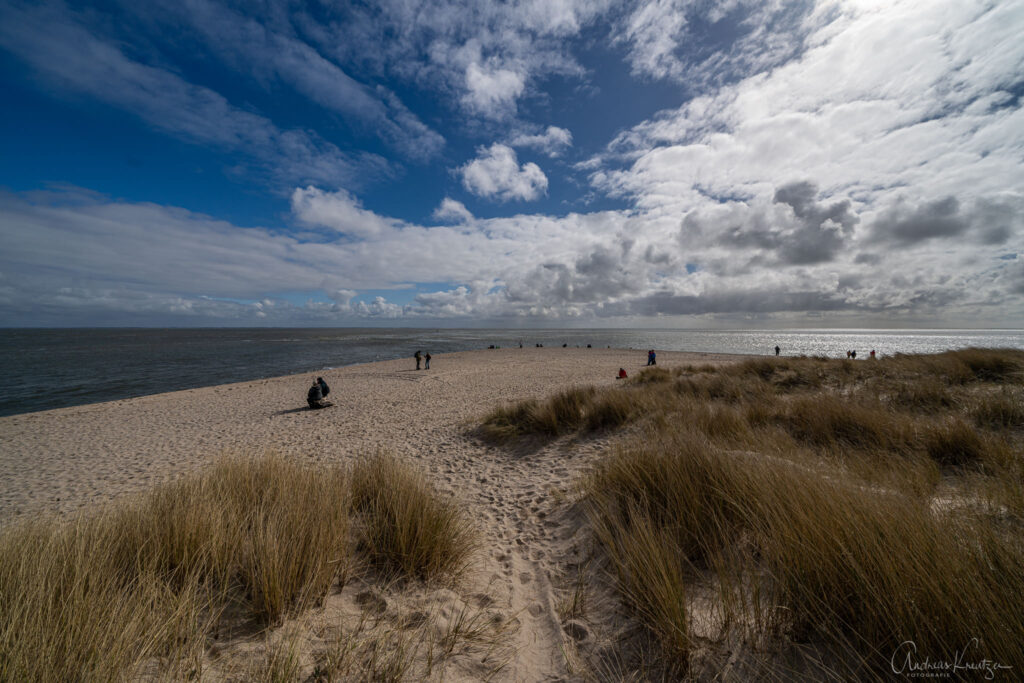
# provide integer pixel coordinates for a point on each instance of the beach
(537, 597)
(64, 460)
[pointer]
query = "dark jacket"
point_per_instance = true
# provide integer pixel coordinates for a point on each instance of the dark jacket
(315, 394)
(323, 387)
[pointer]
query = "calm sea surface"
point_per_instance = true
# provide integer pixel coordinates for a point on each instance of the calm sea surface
(43, 369)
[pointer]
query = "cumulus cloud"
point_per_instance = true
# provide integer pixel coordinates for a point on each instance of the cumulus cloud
(940, 218)
(809, 179)
(340, 211)
(69, 255)
(552, 142)
(496, 173)
(452, 210)
(492, 91)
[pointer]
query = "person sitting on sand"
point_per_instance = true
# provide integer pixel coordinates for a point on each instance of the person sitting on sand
(417, 356)
(324, 389)
(315, 397)
(427, 359)
(622, 373)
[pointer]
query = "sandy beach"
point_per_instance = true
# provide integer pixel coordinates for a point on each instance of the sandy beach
(63, 460)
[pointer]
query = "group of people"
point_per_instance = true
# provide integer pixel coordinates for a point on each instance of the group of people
(317, 394)
(852, 354)
(420, 356)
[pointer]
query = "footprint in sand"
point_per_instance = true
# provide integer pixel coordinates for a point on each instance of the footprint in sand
(371, 601)
(481, 600)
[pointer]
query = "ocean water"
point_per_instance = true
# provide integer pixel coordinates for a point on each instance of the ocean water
(53, 368)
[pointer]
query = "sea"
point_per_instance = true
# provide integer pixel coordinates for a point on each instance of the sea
(41, 369)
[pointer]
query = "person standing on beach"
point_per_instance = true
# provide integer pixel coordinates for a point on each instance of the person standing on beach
(427, 359)
(777, 349)
(652, 358)
(417, 356)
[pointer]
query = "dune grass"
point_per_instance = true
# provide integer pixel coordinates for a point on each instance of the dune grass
(145, 583)
(406, 529)
(805, 495)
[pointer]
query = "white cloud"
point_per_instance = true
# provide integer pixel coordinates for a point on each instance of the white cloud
(496, 173)
(339, 211)
(452, 210)
(73, 257)
(265, 49)
(486, 55)
(552, 142)
(492, 92)
(71, 58)
(823, 181)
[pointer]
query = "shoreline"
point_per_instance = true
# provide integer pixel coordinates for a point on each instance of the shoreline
(64, 459)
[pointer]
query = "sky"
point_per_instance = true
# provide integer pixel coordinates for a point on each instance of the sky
(531, 163)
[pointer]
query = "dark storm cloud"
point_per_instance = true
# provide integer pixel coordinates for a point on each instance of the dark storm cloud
(867, 259)
(940, 218)
(986, 221)
(809, 232)
(997, 219)
(822, 228)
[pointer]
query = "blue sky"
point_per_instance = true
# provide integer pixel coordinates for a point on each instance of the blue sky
(678, 163)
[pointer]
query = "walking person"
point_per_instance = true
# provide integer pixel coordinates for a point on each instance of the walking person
(418, 356)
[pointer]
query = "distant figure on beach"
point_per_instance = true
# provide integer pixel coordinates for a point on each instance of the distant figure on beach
(324, 389)
(652, 358)
(847, 354)
(872, 354)
(622, 373)
(588, 346)
(853, 354)
(315, 396)
(564, 345)
(427, 359)
(777, 349)
(418, 356)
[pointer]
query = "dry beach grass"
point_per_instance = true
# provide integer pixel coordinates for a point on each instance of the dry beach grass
(520, 515)
(804, 496)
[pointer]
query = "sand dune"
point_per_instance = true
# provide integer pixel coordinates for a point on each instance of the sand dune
(61, 460)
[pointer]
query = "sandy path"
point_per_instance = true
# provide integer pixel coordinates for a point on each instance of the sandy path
(64, 459)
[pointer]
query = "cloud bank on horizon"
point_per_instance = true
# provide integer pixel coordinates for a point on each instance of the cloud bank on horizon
(536, 162)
